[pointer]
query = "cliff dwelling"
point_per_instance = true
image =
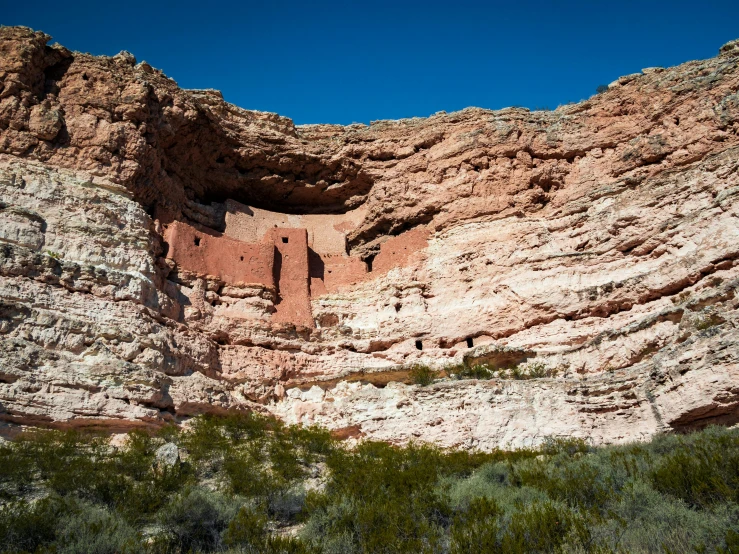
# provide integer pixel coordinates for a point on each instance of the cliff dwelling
(297, 256)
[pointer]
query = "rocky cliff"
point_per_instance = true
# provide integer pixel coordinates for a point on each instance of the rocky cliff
(164, 253)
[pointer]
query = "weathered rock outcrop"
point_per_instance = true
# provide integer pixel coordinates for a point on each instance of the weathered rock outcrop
(319, 263)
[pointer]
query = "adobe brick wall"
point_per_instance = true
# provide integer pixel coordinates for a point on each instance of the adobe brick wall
(283, 257)
(397, 251)
(210, 253)
(291, 275)
(328, 272)
(326, 232)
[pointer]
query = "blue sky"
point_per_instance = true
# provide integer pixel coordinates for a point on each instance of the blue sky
(345, 62)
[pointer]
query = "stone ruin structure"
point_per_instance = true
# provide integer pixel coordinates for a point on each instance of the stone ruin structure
(294, 257)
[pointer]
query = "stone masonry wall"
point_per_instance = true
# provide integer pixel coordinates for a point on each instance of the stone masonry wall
(206, 253)
(291, 275)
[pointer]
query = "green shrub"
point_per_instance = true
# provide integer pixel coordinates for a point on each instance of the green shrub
(540, 527)
(476, 529)
(422, 375)
(570, 446)
(732, 543)
(533, 370)
(313, 441)
(86, 529)
(538, 370)
(248, 530)
(16, 471)
(383, 498)
(703, 471)
(477, 371)
(664, 524)
(195, 520)
(285, 505)
(26, 527)
(243, 477)
(579, 484)
(284, 461)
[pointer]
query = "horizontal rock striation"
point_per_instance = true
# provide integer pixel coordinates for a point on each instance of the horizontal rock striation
(599, 241)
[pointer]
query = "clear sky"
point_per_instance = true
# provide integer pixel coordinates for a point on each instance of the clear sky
(345, 62)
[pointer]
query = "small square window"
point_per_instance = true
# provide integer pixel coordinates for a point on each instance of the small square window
(284, 239)
(197, 241)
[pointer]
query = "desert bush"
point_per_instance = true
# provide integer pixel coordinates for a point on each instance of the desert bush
(195, 520)
(16, 471)
(532, 370)
(248, 533)
(664, 524)
(477, 371)
(491, 481)
(26, 526)
(383, 498)
(244, 477)
(248, 530)
(59, 525)
(422, 375)
(703, 471)
(312, 440)
(732, 543)
(88, 529)
(540, 527)
(287, 504)
(578, 484)
(568, 446)
(477, 528)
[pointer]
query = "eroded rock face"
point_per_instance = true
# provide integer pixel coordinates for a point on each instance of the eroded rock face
(599, 240)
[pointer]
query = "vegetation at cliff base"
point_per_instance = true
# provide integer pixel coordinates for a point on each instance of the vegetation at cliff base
(253, 485)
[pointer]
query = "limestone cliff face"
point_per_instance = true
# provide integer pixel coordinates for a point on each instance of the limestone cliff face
(164, 253)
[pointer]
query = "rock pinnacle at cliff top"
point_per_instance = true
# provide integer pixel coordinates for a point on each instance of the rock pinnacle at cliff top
(553, 273)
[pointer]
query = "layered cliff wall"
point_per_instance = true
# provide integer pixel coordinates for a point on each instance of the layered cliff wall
(598, 241)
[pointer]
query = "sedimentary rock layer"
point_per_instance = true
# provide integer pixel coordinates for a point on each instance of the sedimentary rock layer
(597, 240)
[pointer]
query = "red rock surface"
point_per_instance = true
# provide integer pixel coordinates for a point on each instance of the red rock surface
(597, 241)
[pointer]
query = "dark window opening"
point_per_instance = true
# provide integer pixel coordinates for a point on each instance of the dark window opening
(197, 241)
(470, 342)
(242, 258)
(84, 77)
(419, 345)
(284, 240)
(369, 261)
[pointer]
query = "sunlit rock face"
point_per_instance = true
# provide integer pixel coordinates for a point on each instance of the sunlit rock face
(164, 253)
